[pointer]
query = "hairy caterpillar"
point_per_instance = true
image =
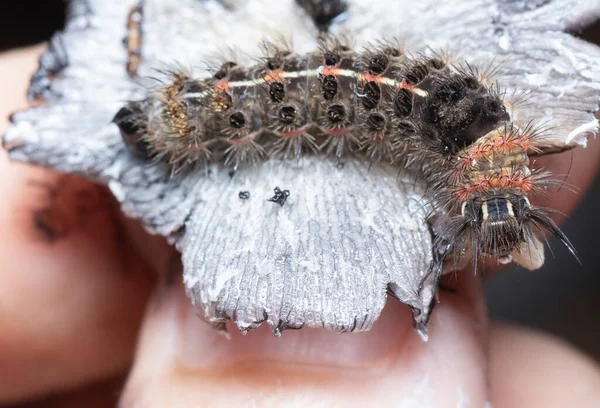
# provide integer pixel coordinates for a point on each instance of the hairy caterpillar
(450, 125)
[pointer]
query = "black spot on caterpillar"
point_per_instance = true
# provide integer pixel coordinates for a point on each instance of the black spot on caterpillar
(447, 124)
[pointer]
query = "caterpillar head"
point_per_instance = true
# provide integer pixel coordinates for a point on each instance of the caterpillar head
(504, 225)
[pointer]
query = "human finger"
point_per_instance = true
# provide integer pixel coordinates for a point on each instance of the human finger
(531, 369)
(72, 291)
(182, 361)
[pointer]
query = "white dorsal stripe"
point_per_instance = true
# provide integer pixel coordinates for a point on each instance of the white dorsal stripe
(347, 73)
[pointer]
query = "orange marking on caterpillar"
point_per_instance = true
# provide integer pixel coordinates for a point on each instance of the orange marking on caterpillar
(500, 145)
(292, 134)
(525, 185)
(222, 85)
(464, 192)
(406, 85)
(412, 88)
(274, 76)
(338, 132)
(242, 141)
(378, 138)
(473, 156)
(325, 70)
(512, 181)
(523, 142)
(366, 77)
(505, 145)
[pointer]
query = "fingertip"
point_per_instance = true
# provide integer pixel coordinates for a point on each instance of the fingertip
(182, 360)
(530, 368)
(72, 289)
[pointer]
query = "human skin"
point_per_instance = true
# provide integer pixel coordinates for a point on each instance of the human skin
(97, 300)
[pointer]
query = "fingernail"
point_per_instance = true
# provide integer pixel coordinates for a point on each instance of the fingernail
(183, 361)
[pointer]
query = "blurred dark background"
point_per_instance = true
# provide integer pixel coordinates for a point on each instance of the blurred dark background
(561, 298)
(26, 22)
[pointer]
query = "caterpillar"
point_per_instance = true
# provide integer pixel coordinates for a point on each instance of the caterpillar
(448, 124)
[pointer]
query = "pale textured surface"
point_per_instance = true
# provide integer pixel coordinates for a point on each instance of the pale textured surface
(327, 256)
(345, 242)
